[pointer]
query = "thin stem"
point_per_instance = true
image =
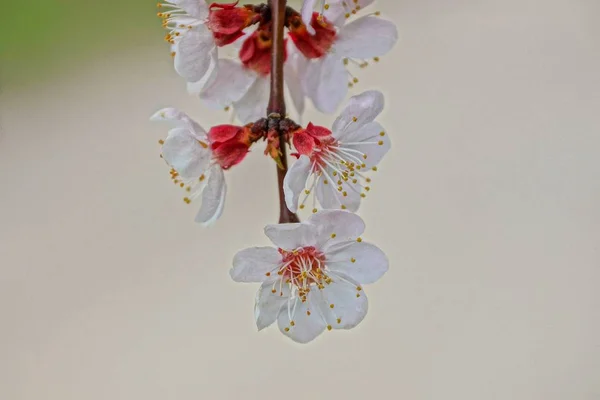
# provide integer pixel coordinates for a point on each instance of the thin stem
(277, 102)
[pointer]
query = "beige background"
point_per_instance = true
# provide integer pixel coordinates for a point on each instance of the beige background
(488, 208)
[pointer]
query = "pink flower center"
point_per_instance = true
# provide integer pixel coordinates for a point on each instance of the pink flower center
(303, 268)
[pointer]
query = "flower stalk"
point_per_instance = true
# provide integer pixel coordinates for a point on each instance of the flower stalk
(276, 108)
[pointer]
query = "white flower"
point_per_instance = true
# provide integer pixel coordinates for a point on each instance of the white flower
(246, 91)
(312, 280)
(332, 46)
(188, 152)
(334, 168)
(192, 43)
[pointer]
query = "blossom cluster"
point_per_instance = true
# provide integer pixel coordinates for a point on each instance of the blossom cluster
(311, 281)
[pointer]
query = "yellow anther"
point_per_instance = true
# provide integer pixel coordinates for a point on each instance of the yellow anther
(292, 323)
(339, 320)
(273, 291)
(374, 168)
(355, 80)
(333, 235)
(268, 274)
(173, 54)
(354, 119)
(376, 59)
(204, 145)
(363, 195)
(325, 182)
(354, 181)
(181, 184)
(314, 210)
(378, 13)
(227, 109)
(326, 6)
(359, 240)
(359, 288)
(364, 157)
(345, 61)
(380, 143)
(308, 313)
(345, 194)
(188, 189)
(301, 206)
(187, 200)
(382, 134)
(329, 327)
(332, 306)
(353, 260)
(307, 191)
(344, 207)
(161, 142)
(347, 15)
(287, 329)
(368, 180)
(367, 188)
(357, 294)
(202, 177)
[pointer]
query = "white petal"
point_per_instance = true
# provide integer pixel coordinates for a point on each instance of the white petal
(253, 105)
(194, 8)
(268, 304)
(179, 119)
(193, 53)
(308, 7)
(367, 37)
(213, 197)
(208, 79)
(185, 154)
(331, 198)
(295, 182)
(294, 73)
(291, 236)
(370, 142)
(301, 322)
(336, 13)
(342, 225)
(370, 263)
(230, 84)
(326, 83)
(350, 305)
(360, 110)
(253, 264)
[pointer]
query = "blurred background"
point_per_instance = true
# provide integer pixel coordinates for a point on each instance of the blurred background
(487, 208)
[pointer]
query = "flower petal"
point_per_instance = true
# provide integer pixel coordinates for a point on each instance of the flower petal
(213, 197)
(326, 83)
(338, 9)
(360, 110)
(342, 304)
(295, 182)
(331, 198)
(307, 10)
(291, 236)
(336, 226)
(230, 84)
(183, 152)
(196, 88)
(253, 105)
(367, 37)
(360, 261)
(194, 8)
(253, 264)
(301, 322)
(193, 53)
(303, 142)
(369, 141)
(267, 305)
(294, 72)
(179, 119)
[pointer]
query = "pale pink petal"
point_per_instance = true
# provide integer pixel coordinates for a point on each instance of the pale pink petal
(307, 10)
(336, 226)
(326, 83)
(339, 9)
(331, 198)
(193, 53)
(270, 299)
(195, 8)
(371, 140)
(366, 37)
(213, 197)
(342, 305)
(231, 83)
(301, 321)
(185, 154)
(295, 182)
(253, 105)
(360, 110)
(179, 119)
(291, 236)
(255, 264)
(360, 261)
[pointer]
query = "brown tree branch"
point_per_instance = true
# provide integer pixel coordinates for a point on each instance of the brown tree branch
(276, 107)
